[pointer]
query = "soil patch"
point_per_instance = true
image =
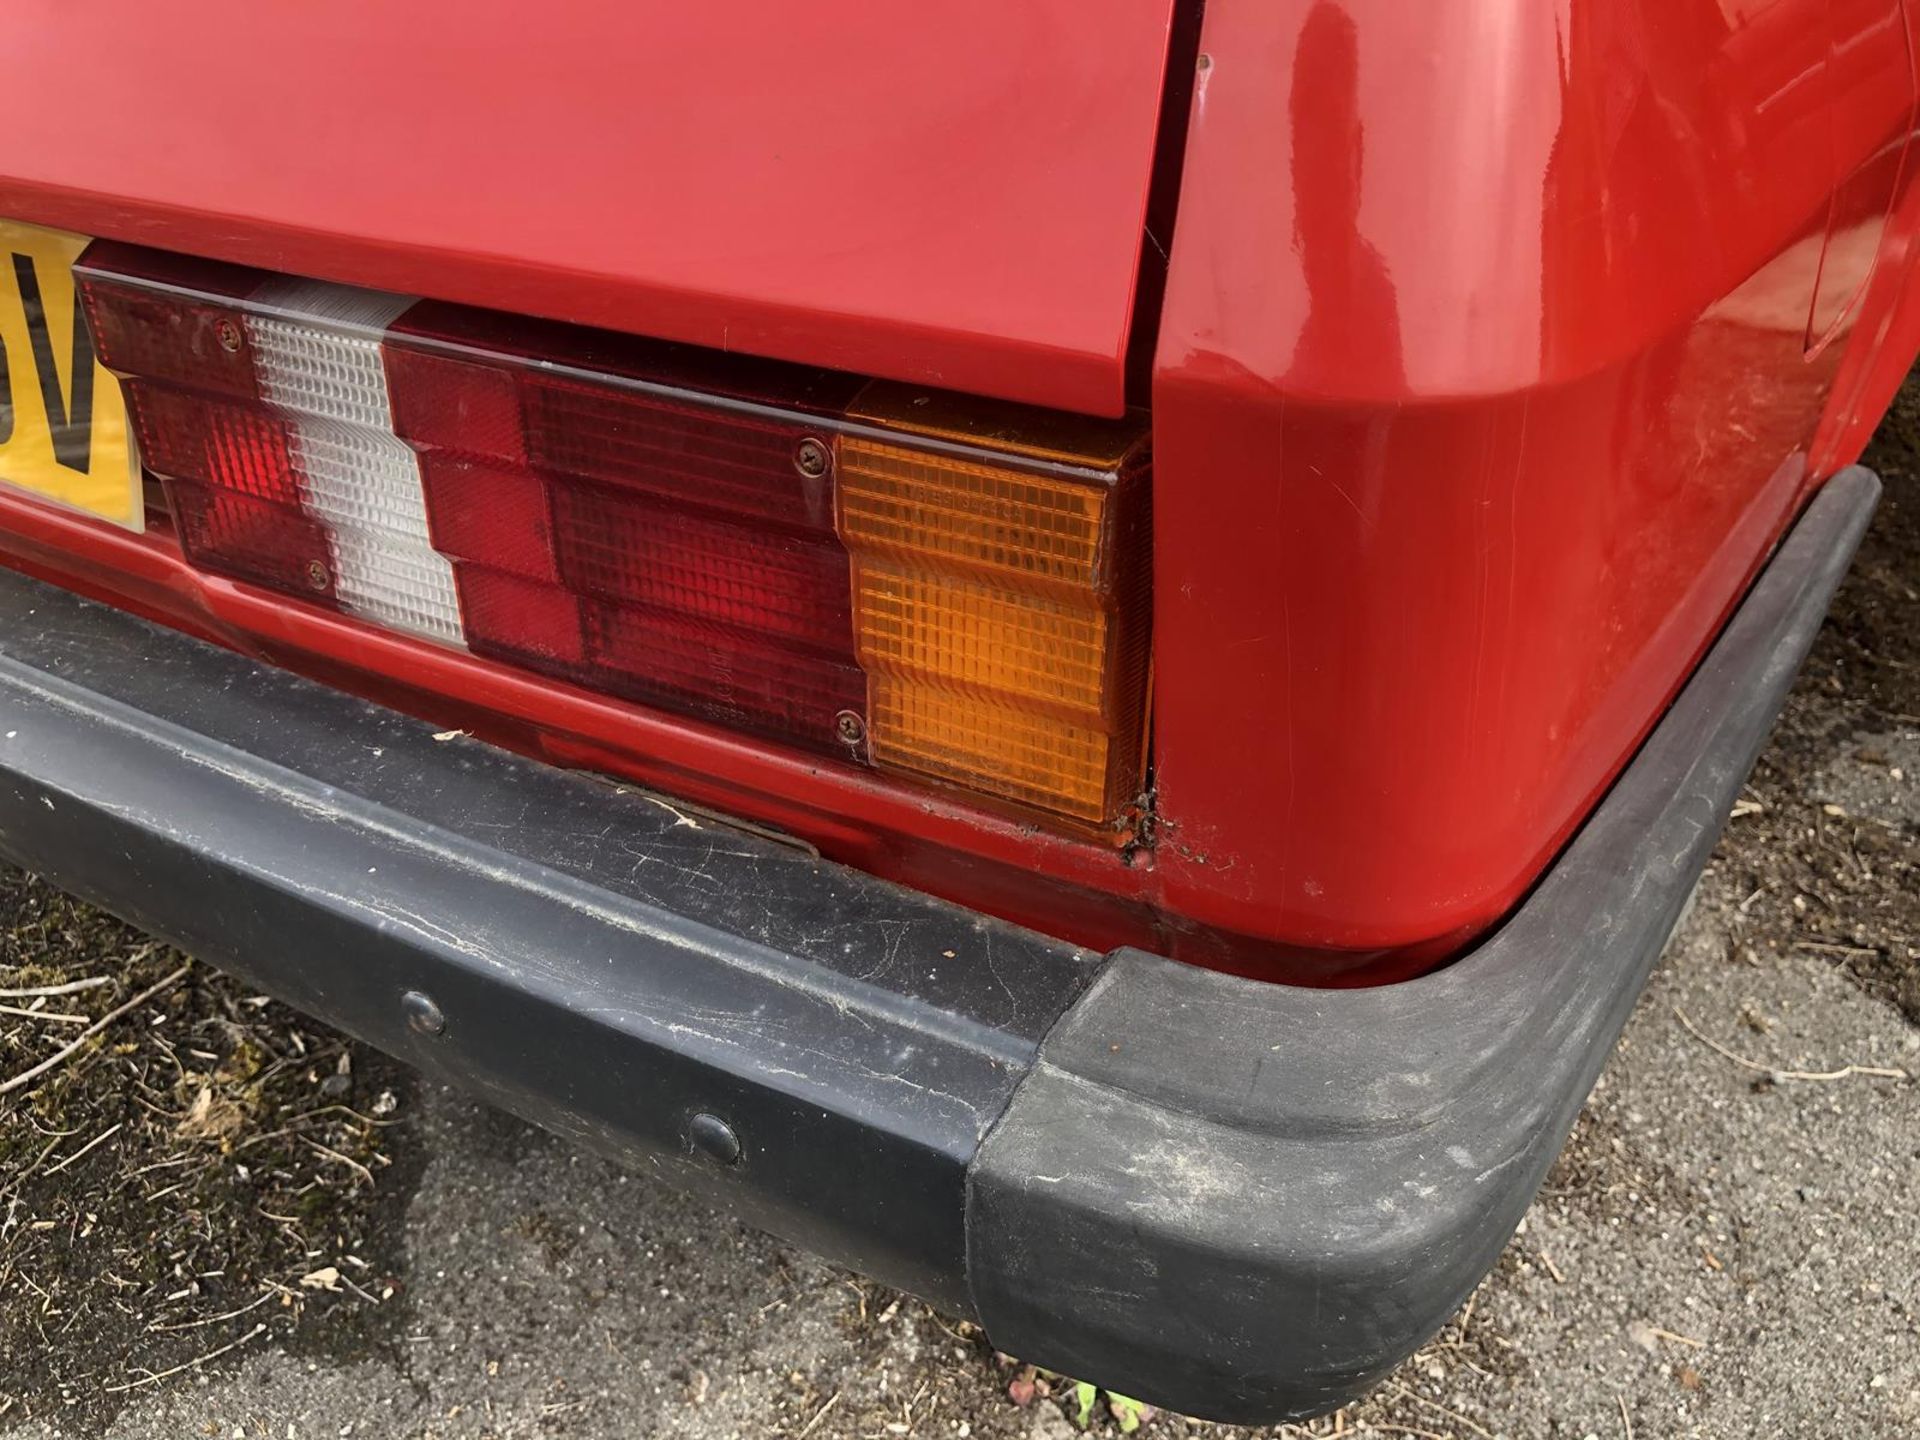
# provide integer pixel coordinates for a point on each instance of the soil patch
(207, 1172)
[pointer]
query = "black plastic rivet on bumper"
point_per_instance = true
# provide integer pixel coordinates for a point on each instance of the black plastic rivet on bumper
(714, 1138)
(423, 1016)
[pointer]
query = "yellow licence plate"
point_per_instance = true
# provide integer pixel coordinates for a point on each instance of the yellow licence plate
(63, 424)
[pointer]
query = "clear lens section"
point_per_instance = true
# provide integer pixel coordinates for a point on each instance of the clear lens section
(317, 357)
(317, 350)
(357, 478)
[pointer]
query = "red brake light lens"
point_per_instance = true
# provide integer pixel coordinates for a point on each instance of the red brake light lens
(609, 531)
(679, 452)
(491, 516)
(162, 335)
(233, 534)
(198, 438)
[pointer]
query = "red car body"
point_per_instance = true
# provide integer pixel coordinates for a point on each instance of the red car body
(1495, 380)
(1499, 342)
(1502, 365)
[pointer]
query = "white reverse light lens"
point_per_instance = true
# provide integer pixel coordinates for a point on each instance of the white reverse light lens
(331, 387)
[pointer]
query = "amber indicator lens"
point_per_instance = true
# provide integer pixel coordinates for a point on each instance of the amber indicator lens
(1000, 605)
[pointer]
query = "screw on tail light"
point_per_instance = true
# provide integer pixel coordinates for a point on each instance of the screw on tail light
(812, 458)
(168, 337)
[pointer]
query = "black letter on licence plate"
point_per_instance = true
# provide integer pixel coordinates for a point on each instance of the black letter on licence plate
(6, 396)
(72, 425)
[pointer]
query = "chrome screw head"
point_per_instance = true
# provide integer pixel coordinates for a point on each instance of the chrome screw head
(812, 458)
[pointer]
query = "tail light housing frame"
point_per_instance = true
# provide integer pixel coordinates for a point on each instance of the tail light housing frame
(950, 593)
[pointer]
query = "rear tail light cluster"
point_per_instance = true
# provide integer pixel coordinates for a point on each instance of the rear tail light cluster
(933, 587)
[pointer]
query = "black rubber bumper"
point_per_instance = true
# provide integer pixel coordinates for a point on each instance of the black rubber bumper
(1248, 1201)
(608, 965)
(1236, 1200)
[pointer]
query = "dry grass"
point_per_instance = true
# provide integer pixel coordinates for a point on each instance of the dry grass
(171, 1177)
(1816, 880)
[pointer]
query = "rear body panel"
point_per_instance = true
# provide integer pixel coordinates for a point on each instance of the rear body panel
(1497, 340)
(948, 194)
(1498, 347)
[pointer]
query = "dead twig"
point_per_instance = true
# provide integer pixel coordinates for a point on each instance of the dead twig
(100, 1139)
(1657, 1333)
(818, 1416)
(60, 1015)
(293, 1120)
(193, 1364)
(1435, 1405)
(72, 987)
(1882, 1072)
(265, 1296)
(67, 1051)
(1625, 1419)
(346, 1160)
(13, 1185)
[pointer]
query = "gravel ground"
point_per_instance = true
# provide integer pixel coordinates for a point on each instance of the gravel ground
(1724, 1249)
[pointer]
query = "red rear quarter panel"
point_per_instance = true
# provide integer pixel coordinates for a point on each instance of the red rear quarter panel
(1484, 385)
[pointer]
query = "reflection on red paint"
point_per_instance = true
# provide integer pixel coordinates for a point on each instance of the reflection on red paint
(1353, 315)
